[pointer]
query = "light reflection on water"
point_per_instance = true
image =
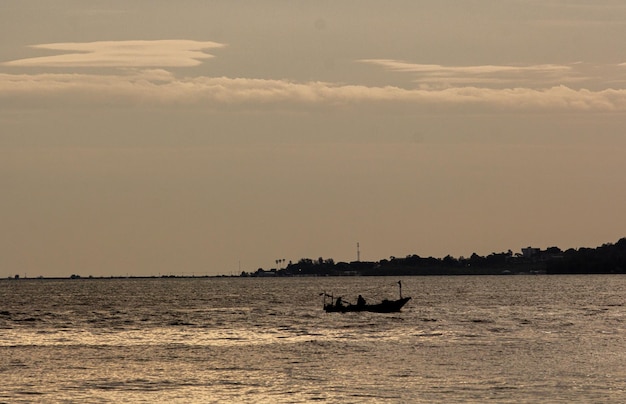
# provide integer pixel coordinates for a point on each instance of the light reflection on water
(157, 336)
(508, 339)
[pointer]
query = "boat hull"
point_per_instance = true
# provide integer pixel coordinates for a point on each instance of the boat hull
(386, 306)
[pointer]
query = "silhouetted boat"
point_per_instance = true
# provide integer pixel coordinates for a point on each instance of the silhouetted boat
(386, 306)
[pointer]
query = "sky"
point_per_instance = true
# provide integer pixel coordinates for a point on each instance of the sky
(213, 137)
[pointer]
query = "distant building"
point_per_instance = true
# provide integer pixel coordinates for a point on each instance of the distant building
(530, 252)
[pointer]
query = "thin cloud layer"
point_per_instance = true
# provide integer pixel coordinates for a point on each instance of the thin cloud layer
(160, 53)
(159, 87)
(533, 76)
(145, 81)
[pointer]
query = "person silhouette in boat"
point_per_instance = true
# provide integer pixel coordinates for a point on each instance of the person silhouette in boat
(360, 301)
(339, 302)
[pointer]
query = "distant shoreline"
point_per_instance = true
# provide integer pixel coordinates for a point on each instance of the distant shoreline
(104, 278)
(609, 258)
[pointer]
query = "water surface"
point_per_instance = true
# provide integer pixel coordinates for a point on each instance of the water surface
(460, 339)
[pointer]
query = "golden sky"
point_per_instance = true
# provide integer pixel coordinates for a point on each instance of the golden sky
(193, 137)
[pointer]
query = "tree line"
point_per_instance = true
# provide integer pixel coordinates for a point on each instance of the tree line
(609, 258)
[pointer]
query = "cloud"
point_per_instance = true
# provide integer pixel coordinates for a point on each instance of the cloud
(142, 78)
(494, 75)
(156, 87)
(472, 70)
(160, 53)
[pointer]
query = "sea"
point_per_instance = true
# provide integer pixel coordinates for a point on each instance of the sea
(465, 339)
